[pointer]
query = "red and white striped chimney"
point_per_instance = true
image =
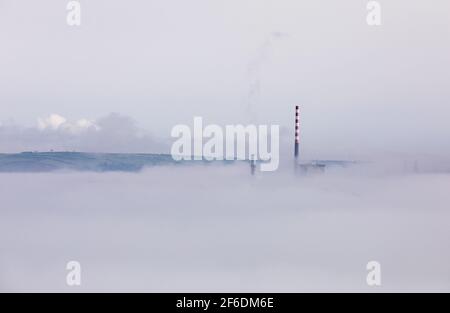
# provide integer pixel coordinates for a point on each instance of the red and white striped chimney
(297, 132)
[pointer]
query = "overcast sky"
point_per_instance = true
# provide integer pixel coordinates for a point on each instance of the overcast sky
(160, 62)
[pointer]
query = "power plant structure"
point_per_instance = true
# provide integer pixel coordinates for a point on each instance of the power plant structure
(253, 165)
(297, 133)
(302, 166)
(314, 165)
(298, 166)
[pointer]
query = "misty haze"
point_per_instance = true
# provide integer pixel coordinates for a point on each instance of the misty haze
(88, 106)
(214, 228)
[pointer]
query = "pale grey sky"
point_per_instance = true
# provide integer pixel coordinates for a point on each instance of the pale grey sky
(160, 62)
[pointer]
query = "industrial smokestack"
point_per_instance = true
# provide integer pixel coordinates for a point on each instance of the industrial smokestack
(252, 164)
(297, 133)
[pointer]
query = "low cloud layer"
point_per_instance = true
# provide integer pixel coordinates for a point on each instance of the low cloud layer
(216, 228)
(112, 133)
(57, 122)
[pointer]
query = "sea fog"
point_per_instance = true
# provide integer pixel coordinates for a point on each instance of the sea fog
(216, 228)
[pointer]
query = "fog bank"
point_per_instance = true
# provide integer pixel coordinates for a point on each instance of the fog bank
(213, 228)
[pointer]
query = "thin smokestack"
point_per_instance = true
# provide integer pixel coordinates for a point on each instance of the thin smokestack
(297, 132)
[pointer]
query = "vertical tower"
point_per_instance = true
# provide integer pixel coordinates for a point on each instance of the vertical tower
(297, 133)
(252, 164)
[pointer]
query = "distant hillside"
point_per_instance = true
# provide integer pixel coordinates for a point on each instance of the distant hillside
(53, 161)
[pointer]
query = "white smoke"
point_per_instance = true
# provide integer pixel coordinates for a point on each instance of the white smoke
(254, 71)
